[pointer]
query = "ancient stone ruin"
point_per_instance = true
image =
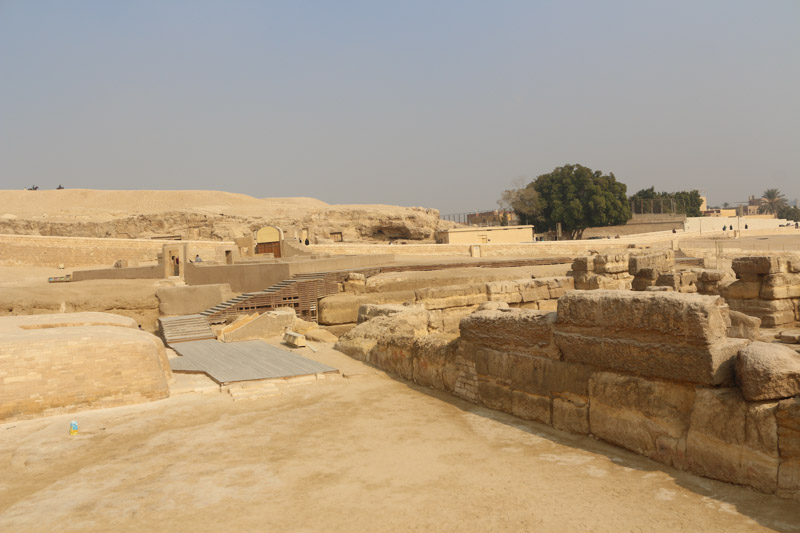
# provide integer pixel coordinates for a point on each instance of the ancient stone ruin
(67, 362)
(656, 373)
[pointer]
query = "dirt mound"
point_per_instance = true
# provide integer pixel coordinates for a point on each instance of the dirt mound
(210, 215)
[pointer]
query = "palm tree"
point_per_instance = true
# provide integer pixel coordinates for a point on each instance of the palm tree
(772, 201)
(725, 205)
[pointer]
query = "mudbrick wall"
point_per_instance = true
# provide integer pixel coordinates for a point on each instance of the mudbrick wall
(651, 372)
(66, 362)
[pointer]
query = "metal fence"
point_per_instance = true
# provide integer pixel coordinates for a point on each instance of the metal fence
(658, 206)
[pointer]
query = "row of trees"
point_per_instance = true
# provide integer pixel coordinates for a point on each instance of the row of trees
(577, 197)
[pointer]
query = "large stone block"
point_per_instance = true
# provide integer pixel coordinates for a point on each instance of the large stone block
(768, 371)
(611, 263)
(451, 296)
(788, 420)
(531, 406)
(512, 330)
(662, 335)
(343, 308)
(430, 357)
(504, 291)
(571, 414)
(648, 417)
(772, 313)
(742, 290)
(270, 324)
(758, 265)
(495, 395)
(732, 440)
(658, 261)
(744, 327)
(780, 286)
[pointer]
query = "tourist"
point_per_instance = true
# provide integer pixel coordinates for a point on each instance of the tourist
(306, 241)
(724, 228)
(197, 259)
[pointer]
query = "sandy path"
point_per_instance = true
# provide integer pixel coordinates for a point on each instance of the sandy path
(362, 454)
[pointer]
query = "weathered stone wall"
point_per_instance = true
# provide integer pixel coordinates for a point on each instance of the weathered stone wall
(449, 303)
(36, 250)
(767, 287)
(68, 362)
(651, 372)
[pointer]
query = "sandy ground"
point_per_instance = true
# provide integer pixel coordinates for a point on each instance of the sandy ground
(368, 453)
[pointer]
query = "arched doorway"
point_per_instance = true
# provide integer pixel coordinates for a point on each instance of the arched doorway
(268, 240)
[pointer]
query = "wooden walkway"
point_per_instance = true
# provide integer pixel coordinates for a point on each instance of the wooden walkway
(242, 361)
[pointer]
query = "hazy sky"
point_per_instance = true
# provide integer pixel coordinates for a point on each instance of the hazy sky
(433, 103)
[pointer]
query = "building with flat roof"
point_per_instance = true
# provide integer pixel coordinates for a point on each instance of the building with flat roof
(486, 235)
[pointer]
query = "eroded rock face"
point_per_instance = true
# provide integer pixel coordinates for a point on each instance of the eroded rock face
(768, 371)
(662, 335)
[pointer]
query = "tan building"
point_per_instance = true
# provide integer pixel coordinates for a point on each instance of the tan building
(719, 213)
(486, 235)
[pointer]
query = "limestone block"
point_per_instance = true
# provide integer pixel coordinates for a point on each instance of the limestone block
(452, 296)
(533, 290)
(559, 285)
(343, 308)
(648, 417)
(368, 311)
(583, 264)
(531, 407)
(788, 420)
(666, 335)
(495, 395)
(586, 281)
(709, 275)
(430, 357)
(780, 286)
(515, 330)
(789, 336)
(655, 288)
(504, 291)
(732, 440)
(611, 263)
(320, 335)
(270, 324)
(768, 371)
(658, 261)
(744, 327)
(571, 414)
(548, 306)
(772, 313)
(394, 354)
(759, 265)
(742, 290)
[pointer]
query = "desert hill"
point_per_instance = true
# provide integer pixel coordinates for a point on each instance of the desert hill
(202, 214)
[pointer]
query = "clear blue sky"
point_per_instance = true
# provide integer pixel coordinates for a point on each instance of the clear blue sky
(433, 103)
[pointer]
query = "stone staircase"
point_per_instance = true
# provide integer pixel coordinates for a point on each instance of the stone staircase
(184, 329)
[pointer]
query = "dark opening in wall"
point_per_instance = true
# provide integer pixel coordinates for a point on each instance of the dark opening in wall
(336, 236)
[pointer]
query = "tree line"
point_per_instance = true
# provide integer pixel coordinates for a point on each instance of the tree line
(577, 197)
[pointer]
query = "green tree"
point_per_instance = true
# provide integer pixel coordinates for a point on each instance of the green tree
(650, 201)
(578, 198)
(772, 201)
(524, 201)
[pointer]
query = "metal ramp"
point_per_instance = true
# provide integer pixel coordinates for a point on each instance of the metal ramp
(184, 328)
(242, 361)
